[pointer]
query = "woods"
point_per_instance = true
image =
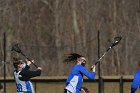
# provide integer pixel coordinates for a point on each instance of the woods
(49, 29)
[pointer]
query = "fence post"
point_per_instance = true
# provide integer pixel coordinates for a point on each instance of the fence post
(35, 87)
(121, 84)
(101, 84)
(4, 57)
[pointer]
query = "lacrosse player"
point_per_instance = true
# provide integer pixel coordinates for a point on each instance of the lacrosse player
(75, 78)
(22, 75)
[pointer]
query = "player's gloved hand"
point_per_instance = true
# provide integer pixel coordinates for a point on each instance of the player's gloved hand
(93, 68)
(29, 62)
(39, 68)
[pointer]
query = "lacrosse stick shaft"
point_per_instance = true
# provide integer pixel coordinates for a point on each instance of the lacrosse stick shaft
(102, 56)
(116, 41)
(83, 90)
(29, 59)
(18, 50)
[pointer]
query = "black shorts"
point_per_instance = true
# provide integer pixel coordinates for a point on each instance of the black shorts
(67, 91)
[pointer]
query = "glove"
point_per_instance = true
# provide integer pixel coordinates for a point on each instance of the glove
(93, 68)
(39, 68)
(29, 62)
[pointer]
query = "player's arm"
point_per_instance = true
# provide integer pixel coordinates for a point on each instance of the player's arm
(134, 87)
(34, 73)
(90, 75)
(136, 82)
(26, 73)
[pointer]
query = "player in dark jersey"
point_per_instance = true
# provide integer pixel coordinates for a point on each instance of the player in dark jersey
(22, 75)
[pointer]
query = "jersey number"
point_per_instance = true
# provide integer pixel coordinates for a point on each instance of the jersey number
(19, 87)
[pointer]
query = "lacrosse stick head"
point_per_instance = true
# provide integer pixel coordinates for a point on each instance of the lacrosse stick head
(117, 40)
(16, 48)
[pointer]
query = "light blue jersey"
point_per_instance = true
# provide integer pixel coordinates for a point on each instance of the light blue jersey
(23, 86)
(136, 82)
(75, 78)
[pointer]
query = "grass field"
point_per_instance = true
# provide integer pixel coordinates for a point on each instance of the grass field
(109, 87)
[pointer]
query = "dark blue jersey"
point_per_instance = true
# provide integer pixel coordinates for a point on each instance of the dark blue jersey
(75, 78)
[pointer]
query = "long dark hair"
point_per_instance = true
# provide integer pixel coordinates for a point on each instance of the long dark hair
(72, 57)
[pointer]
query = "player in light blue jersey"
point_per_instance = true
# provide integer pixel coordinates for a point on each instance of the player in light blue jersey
(75, 78)
(22, 75)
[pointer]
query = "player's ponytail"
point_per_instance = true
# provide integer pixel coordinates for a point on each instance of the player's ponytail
(72, 57)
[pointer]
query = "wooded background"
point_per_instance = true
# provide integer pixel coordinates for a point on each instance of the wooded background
(49, 29)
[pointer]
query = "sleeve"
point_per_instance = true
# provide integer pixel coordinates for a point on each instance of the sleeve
(87, 73)
(31, 74)
(134, 87)
(136, 82)
(27, 74)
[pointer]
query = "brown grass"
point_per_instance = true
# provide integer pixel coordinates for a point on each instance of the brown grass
(57, 87)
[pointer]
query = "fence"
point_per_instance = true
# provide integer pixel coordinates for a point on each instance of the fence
(110, 84)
